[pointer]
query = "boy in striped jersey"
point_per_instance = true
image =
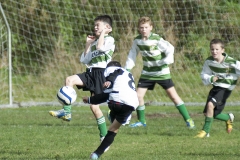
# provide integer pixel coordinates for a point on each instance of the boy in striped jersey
(157, 54)
(222, 72)
(98, 52)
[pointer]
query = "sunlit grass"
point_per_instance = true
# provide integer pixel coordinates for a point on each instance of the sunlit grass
(31, 133)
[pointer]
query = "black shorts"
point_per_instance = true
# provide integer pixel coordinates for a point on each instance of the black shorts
(93, 80)
(218, 96)
(120, 112)
(150, 84)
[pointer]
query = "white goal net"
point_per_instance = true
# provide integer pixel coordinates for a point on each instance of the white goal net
(49, 35)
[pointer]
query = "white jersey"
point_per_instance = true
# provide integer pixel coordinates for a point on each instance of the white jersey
(123, 88)
(227, 72)
(99, 58)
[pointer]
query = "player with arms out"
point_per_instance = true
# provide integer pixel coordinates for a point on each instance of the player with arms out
(122, 99)
(222, 71)
(157, 54)
(98, 52)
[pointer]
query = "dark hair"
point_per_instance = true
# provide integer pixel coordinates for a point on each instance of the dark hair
(114, 63)
(217, 41)
(104, 18)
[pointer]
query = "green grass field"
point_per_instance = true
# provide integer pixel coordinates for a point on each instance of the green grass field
(31, 133)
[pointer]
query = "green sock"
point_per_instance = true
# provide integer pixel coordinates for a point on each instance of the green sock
(183, 111)
(222, 117)
(67, 108)
(141, 113)
(208, 124)
(102, 127)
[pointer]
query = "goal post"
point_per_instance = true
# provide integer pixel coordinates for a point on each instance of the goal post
(42, 41)
(6, 50)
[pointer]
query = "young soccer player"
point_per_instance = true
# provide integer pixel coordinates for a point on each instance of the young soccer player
(157, 54)
(98, 52)
(222, 72)
(122, 100)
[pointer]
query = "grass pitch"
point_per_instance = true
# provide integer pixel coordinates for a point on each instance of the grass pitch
(31, 133)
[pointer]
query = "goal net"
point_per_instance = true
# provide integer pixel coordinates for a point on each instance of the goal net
(49, 35)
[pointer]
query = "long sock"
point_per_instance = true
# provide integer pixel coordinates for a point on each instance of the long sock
(67, 108)
(208, 124)
(183, 111)
(222, 117)
(102, 127)
(108, 140)
(141, 113)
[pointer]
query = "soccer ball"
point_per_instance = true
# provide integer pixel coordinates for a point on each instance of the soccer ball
(66, 95)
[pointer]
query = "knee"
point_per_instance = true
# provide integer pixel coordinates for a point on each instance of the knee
(210, 105)
(140, 97)
(68, 81)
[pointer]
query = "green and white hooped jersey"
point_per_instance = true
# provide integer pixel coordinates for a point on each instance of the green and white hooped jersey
(227, 72)
(99, 58)
(156, 55)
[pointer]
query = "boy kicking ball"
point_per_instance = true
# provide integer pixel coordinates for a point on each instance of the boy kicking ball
(122, 100)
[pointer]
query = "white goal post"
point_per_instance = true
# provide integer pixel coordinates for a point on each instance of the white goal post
(6, 50)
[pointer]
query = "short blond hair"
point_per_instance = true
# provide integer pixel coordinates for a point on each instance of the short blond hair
(143, 20)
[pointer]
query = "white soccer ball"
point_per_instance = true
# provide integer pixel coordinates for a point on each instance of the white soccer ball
(66, 95)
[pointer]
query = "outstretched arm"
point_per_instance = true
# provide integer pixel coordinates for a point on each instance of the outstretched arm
(96, 99)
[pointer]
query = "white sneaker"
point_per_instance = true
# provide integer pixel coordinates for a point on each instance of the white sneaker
(93, 156)
(208, 135)
(229, 123)
(231, 117)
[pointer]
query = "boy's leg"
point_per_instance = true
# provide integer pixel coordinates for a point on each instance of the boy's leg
(228, 118)
(222, 117)
(140, 109)
(65, 112)
(108, 140)
(100, 120)
(141, 114)
(208, 120)
(180, 106)
(208, 124)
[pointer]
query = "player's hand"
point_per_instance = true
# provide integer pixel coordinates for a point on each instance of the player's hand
(85, 99)
(107, 84)
(107, 30)
(215, 78)
(90, 39)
